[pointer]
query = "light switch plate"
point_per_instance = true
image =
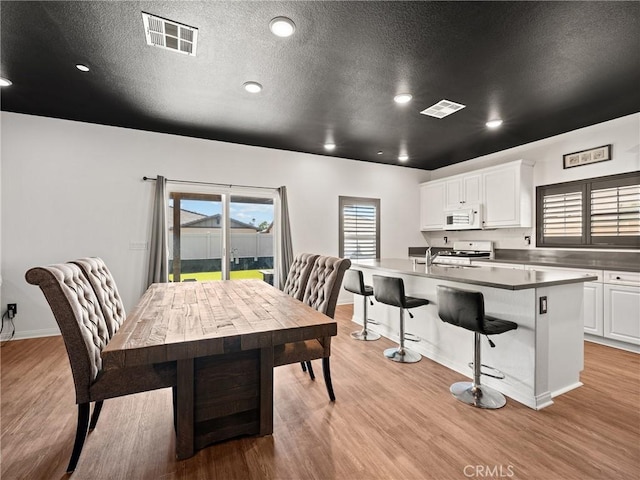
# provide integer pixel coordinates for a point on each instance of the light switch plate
(543, 305)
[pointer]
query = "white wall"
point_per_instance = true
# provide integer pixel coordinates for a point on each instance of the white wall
(622, 133)
(72, 189)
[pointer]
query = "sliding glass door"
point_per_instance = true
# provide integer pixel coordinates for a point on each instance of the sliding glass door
(220, 236)
(251, 237)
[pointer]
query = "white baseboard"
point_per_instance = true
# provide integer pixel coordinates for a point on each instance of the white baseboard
(44, 332)
(629, 347)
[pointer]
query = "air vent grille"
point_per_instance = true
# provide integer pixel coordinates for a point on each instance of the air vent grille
(169, 34)
(442, 109)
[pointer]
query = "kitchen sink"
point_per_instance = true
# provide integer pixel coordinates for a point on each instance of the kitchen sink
(444, 265)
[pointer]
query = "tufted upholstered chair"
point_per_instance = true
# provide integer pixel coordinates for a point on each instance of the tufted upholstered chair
(299, 275)
(78, 313)
(296, 283)
(321, 293)
(104, 286)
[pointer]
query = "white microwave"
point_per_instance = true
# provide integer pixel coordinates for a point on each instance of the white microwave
(468, 218)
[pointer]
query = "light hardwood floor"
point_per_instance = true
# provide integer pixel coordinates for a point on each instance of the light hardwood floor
(390, 421)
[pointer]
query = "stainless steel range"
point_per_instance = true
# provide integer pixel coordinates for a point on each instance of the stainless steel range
(464, 253)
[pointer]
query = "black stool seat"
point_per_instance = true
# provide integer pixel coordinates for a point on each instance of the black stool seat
(495, 326)
(413, 302)
(367, 290)
(465, 308)
(390, 291)
(354, 283)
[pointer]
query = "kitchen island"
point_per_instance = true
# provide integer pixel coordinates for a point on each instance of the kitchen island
(542, 359)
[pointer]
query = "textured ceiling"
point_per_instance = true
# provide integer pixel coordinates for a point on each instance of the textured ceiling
(543, 67)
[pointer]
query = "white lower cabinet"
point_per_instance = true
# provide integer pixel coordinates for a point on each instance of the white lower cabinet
(611, 304)
(622, 306)
(593, 310)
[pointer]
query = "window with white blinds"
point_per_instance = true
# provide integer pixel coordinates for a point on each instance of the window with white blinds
(359, 228)
(562, 214)
(615, 211)
(599, 212)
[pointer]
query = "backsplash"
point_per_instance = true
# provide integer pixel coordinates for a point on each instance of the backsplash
(502, 238)
(514, 239)
(569, 256)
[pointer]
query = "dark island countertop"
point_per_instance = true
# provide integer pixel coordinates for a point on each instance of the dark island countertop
(488, 276)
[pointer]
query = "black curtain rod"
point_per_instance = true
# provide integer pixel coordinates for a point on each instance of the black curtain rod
(151, 179)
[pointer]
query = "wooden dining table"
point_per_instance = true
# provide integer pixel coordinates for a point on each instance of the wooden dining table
(222, 336)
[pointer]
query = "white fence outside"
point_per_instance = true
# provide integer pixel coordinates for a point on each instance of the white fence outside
(194, 246)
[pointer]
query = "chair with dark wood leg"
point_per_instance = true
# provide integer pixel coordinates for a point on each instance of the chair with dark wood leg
(321, 293)
(78, 313)
(296, 284)
(105, 288)
(465, 308)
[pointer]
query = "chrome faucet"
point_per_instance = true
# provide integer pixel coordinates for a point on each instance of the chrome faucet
(428, 257)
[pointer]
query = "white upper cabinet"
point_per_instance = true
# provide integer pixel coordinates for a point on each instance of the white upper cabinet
(432, 206)
(462, 191)
(508, 195)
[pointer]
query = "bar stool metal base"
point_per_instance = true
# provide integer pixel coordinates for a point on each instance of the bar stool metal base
(365, 335)
(479, 396)
(402, 355)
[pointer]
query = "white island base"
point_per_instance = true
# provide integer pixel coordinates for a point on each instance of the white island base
(542, 359)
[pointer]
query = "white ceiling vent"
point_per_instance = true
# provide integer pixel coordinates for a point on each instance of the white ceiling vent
(442, 109)
(170, 35)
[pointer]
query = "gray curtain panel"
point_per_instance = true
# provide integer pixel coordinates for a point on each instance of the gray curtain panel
(159, 245)
(285, 252)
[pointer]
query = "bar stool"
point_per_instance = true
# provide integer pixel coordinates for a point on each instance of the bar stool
(464, 308)
(354, 283)
(390, 290)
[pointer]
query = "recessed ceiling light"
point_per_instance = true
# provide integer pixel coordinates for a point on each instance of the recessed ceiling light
(82, 68)
(494, 123)
(403, 158)
(282, 26)
(252, 87)
(5, 82)
(330, 146)
(379, 152)
(403, 98)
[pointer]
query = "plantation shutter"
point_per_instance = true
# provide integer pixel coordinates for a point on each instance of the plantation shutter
(359, 232)
(615, 211)
(599, 212)
(562, 214)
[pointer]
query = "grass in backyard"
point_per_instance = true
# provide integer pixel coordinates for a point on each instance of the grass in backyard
(204, 276)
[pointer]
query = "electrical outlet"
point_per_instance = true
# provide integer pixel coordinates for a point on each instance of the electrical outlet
(138, 245)
(12, 309)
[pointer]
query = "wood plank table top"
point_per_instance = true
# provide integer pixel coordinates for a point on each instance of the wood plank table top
(175, 321)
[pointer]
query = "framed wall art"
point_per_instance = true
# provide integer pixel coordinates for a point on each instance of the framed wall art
(585, 157)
